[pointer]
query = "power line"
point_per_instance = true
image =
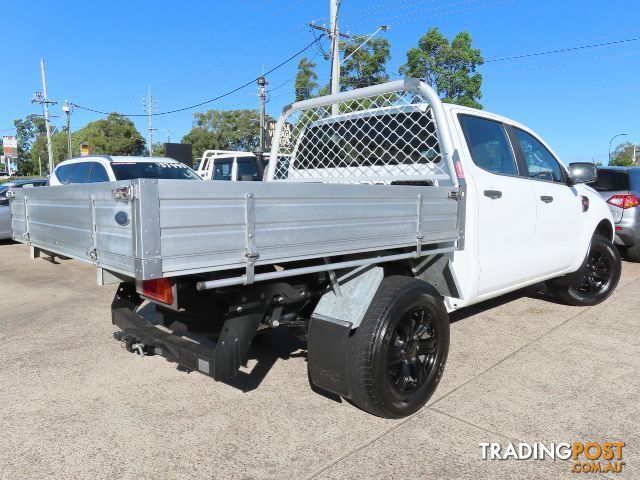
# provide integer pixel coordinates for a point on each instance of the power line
(560, 50)
(226, 94)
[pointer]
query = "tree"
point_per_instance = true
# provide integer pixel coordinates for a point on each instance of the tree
(224, 130)
(367, 66)
(306, 80)
(623, 155)
(448, 67)
(115, 135)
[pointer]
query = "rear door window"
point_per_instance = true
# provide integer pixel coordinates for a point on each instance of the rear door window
(80, 174)
(489, 145)
(611, 180)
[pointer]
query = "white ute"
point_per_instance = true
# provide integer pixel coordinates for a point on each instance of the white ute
(385, 211)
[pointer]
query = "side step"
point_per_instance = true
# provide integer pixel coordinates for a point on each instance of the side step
(220, 360)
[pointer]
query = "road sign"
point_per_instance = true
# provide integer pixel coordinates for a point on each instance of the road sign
(85, 150)
(285, 135)
(10, 146)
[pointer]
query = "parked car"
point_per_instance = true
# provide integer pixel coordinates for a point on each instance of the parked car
(104, 168)
(620, 188)
(231, 166)
(5, 214)
(31, 182)
(385, 217)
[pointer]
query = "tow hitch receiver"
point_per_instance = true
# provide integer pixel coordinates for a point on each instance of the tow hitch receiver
(220, 359)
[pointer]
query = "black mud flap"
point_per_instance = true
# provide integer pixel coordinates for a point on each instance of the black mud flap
(219, 360)
(328, 354)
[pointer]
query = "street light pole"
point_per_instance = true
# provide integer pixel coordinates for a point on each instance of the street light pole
(611, 141)
(67, 110)
(384, 28)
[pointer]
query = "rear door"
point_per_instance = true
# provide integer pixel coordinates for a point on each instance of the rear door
(506, 206)
(559, 213)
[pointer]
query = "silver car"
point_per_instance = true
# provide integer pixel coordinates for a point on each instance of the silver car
(5, 214)
(620, 188)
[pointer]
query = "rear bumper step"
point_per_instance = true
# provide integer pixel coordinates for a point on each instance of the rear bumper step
(219, 360)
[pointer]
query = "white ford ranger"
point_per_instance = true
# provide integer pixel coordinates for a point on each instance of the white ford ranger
(384, 211)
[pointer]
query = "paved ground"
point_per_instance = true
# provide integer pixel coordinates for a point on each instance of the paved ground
(73, 404)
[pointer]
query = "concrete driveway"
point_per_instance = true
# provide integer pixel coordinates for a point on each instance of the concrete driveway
(74, 404)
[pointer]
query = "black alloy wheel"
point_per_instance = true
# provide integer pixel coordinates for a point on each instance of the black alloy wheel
(413, 351)
(399, 351)
(601, 275)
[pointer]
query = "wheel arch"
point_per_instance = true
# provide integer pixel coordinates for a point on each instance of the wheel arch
(605, 228)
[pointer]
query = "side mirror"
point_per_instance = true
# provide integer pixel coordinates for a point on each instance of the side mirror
(582, 172)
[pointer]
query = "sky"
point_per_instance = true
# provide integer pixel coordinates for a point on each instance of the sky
(105, 55)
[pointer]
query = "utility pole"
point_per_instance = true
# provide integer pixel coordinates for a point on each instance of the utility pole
(67, 110)
(168, 135)
(334, 35)
(262, 83)
(41, 98)
(334, 7)
(150, 105)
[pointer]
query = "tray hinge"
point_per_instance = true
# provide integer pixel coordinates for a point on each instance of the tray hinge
(122, 194)
(250, 250)
(456, 195)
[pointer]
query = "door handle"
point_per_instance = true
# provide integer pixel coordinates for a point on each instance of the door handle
(493, 194)
(546, 198)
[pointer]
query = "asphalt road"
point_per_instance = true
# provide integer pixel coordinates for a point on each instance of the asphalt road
(74, 404)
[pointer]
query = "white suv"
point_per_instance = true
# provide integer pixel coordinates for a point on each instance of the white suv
(105, 168)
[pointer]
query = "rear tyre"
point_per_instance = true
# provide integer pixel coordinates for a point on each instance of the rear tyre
(399, 351)
(600, 279)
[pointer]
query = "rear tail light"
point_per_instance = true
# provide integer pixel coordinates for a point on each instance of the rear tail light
(160, 290)
(624, 201)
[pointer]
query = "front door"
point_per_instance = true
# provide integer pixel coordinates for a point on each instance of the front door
(558, 207)
(506, 206)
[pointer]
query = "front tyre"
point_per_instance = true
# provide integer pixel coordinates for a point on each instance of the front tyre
(600, 278)
(399, 351)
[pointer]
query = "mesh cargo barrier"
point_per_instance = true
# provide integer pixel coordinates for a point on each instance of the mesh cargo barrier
(380, 138)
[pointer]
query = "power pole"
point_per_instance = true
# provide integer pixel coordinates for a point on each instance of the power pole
(41, 98)
(67, 110)
(334, 7)
(150, 105)
(262, 83)
(168, 135)
(334, 35)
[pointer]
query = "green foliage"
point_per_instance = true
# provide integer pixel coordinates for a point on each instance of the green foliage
(622, 156)
(306, 80)
(367, 66)
(26, 132)
(224, 130)
(449, 67)
(115, 135)
(158, 149)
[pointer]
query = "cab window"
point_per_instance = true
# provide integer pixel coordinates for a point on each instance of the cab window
(98, 174)
(248, 170)
(541, 165)
(64, 172)
(80, 174)
(489, 145)
(222, 170)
